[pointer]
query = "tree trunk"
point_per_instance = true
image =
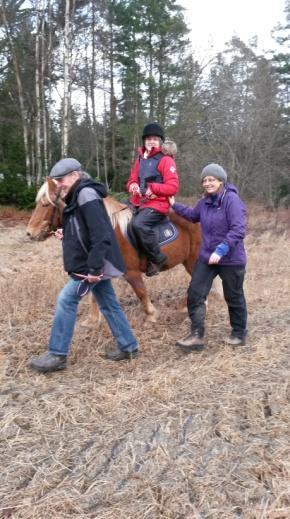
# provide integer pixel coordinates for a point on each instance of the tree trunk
(161, 93)
(104, 132)
(67, 79)
(92, 89)
(49, 95)
(112, 101)
(23, 111)
(45, 68)
(151, 80)
(38, 99)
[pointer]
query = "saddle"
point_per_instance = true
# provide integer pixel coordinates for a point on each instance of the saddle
(165, 230)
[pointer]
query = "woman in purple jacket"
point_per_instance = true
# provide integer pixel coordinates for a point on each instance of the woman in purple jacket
(222, 216)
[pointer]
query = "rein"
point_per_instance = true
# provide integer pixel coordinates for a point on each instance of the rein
(120, 210)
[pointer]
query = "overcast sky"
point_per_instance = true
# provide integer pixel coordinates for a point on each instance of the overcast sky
(213, 22)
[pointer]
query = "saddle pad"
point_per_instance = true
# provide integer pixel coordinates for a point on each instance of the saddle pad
(167, 232)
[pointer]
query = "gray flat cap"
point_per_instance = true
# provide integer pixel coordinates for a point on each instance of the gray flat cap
(214, 170)
(64, 167)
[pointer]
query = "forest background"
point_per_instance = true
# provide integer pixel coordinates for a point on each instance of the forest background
(81, 78)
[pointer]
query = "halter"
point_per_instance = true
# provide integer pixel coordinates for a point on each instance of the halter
(52, 223)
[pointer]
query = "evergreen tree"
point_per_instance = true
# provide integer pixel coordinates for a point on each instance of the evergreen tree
(281, 59)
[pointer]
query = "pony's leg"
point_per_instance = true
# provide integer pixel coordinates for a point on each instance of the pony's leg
(136, 281)
(216, 290)
(215, 293)
(182, 305)
(94, 317)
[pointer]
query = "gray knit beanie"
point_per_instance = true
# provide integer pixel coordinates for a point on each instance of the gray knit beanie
(214, 170)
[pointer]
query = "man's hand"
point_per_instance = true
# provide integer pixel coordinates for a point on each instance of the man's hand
(59, 234)
(90, 277)
(94, 279)
(214, 259)
(149, 194)
(134, 189)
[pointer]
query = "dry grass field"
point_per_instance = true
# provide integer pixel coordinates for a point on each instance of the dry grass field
(169, 435)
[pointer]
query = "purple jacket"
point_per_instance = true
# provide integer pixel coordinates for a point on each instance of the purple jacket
(222, 221)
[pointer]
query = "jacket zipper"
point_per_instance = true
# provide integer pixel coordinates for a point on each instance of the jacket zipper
(77, 228)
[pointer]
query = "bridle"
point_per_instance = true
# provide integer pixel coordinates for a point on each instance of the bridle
(56, 210)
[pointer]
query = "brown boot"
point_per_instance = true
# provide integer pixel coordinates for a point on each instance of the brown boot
(121, 355)
(233, 340)
(192, 342)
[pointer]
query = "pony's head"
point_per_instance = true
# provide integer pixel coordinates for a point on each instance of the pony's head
(46, 217)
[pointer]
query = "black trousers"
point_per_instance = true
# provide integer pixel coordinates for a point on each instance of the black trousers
(201, 282)
(144, 225)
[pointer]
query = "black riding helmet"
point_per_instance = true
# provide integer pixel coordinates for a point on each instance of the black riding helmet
(153, 129)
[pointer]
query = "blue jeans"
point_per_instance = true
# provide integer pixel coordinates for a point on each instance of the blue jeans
(66, 312)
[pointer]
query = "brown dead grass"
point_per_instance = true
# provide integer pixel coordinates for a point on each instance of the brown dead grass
(10, 216)
(167, 436)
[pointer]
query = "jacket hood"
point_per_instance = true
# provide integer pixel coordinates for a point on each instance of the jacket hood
(231, 187)
(168, 148)
(85, 182)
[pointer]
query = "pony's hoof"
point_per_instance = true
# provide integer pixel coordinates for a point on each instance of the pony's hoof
(88, 323)
(152, 318)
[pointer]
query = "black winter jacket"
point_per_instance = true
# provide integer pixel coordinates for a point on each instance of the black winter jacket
(89, 241)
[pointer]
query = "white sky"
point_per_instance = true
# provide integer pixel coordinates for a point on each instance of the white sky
(213, 22)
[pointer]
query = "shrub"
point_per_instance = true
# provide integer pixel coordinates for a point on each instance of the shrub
(14, 190)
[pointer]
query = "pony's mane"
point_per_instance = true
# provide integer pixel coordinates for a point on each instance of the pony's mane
(119, 214)
(42, 192)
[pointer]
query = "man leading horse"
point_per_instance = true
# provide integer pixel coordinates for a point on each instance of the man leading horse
(92, 258)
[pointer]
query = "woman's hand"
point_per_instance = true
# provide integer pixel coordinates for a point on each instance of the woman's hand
(214, 259)
(59, 234)
(171, 200)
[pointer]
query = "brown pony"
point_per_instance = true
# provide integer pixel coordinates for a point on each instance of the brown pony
(46, 218)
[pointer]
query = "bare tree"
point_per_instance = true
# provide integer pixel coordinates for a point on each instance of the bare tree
(113, 101)
(23, 111)
(92, 87)
(69, 13)
(38, 99)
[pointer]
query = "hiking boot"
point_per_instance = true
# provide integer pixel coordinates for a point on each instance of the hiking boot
(121, 355)
(233, 340)
(153, 268)
(48, 362)
(192, 342)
